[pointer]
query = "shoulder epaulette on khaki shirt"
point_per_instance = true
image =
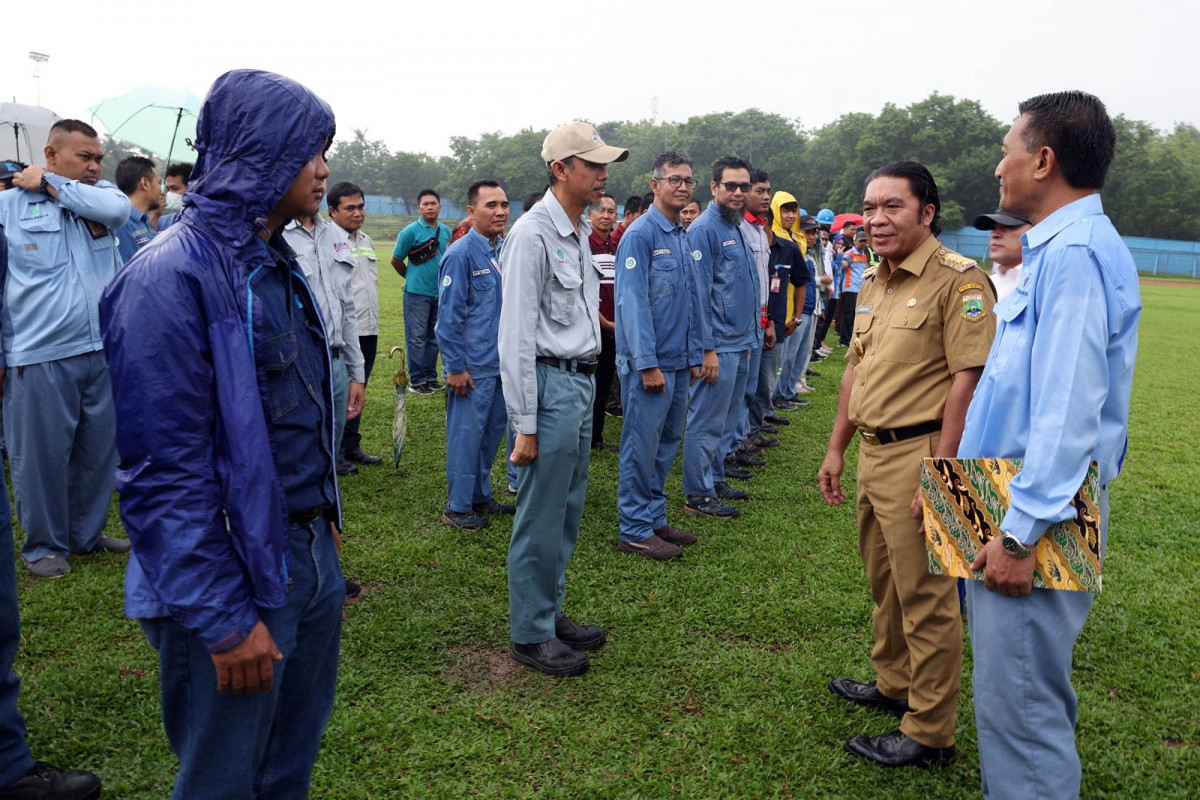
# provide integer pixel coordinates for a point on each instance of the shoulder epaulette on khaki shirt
(953, 260)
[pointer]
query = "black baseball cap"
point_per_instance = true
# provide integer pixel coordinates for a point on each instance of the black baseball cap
(10, 168)
(1000, 219)
(808, 223)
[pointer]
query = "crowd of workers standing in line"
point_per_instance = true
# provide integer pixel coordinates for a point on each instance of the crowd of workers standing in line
(213, 363)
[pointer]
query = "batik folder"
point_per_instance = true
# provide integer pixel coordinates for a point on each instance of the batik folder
(966, 500)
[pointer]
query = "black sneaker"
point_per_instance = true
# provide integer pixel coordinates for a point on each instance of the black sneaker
(740, 459)
(435, 386)
(553, 657)
(775, 419)
(464, 520)
(612, 448)
(763, 441)
(493, 506)
(767, 427)
(709, 507)
(725, 493)
(750, 449)
(782, 404)
(420, 388)
(579, 637)
(738, 474)
(52, 783)
(812, 373)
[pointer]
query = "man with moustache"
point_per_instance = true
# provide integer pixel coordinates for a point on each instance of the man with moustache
(922, 329)
(60, 224)
(729, 291)
(603, 244)
(689, 213)
(549, 340)
(467, 327)
(1004, 248)
(224, 393)
(1055, 393)
(660, 353)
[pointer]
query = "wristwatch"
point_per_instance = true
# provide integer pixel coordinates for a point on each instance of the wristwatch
(44, 183)
(1013, 546)
(797, 320)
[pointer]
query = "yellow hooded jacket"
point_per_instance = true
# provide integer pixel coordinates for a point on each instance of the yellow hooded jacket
(792, 235)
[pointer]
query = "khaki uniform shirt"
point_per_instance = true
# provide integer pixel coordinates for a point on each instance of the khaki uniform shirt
(916, 324)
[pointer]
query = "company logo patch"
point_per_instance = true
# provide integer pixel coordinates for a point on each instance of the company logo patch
(696, 255)
(340, 247)
(446, 281)
(973, 307)
(630, 262)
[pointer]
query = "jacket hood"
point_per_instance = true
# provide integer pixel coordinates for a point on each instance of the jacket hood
(255, 133)
(791, 234)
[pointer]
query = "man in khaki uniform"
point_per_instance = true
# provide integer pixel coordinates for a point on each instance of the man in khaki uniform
(923, 326)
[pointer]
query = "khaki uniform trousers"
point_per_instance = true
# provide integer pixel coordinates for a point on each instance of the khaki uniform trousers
(917, 625)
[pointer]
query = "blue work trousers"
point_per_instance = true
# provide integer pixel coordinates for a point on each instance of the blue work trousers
(741, 428)
(650, 437)
(475, 424)
(708, 409)
(420, 341)
(795, 360)
(62, 449)
(550, 493)
(15, 761)
(735, 419)
(264, 746)
(764, 385)
(351, 438)
(1025, 705)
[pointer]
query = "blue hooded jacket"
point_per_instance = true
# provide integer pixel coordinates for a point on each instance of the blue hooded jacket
(200, 492)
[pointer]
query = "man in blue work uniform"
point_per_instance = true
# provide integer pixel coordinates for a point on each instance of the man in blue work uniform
(467, 329)
(660, 354)
(728, 279)
(58, 409)
(1055, 393)
(222, 380)
(549, 343)
(138, 179)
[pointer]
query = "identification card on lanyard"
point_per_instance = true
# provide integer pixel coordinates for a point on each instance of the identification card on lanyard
(774, 284)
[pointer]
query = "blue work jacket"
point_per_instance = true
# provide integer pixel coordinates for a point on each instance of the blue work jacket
(658, 302)
(469, 301)
(728, 278)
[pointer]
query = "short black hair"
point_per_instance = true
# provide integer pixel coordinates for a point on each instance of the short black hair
(759, 176)
(131, 171)
(531, 200)
(1076, 126)
(73, 126)
(671, 158)
(421, 195)
(340, 191)
(182, 170)
(920, 183)
(473, 189)
(729, 162)
(647, 201)
(634, 204)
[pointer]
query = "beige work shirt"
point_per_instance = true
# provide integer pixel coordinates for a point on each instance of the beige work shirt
(916, 324)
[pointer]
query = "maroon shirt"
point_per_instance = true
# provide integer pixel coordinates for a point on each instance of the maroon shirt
(604, 255)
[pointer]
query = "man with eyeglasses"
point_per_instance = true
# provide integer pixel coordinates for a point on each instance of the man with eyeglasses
(549, 339)
(729, 290)
(660, 353)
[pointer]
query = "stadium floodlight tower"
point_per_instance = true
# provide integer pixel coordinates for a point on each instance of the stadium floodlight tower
(38, 59)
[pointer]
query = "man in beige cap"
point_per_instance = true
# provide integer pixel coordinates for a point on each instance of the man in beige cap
(549, 342)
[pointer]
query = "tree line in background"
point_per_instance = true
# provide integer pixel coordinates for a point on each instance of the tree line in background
(1153, 188)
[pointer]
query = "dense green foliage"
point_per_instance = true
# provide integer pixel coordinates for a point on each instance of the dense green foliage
(713, 682)
(1153, 188)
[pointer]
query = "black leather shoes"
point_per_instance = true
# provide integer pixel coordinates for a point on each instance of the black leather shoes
(553, 657)
(359, 456)
(866, 694)
(579, 637)
(897, 750)
(344, 467)
(52, 783)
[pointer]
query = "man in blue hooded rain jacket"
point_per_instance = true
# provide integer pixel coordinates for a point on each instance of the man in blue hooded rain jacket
(221, 378)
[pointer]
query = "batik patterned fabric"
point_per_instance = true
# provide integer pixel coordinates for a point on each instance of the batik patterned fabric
(965, 500)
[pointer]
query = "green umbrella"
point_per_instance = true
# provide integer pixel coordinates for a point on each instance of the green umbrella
(152, 118)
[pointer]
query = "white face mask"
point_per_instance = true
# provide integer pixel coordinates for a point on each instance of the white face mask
(174, 202)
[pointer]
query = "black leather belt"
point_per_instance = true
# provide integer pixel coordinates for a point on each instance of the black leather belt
(569, 365)
(336, 352)
(900, 434)
(299, 519)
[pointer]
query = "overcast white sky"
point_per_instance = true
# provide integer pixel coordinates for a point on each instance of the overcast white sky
(416, 73)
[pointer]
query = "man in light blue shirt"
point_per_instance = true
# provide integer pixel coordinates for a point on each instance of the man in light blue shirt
(138, 179)
(60, 224)
(1055, 392)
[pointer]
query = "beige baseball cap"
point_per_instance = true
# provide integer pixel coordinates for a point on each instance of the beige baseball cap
(579, 139)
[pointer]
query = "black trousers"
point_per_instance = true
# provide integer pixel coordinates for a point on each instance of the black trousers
(606, 367)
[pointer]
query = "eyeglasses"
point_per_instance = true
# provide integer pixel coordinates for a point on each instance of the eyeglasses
(675, 181)
(731, 187)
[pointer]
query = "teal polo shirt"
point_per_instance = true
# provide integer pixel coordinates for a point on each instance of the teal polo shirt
(422, 278)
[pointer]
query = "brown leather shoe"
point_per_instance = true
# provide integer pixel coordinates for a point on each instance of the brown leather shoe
(652, 547)
(669, 533)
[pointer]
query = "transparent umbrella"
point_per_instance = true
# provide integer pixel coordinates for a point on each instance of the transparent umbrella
(30, 126)
(155, 119)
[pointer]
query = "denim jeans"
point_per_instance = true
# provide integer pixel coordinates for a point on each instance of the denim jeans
(420, 341)
(263, 746)
(15, 761)
(791, 373)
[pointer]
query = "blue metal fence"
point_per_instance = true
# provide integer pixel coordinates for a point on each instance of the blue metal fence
(1155, 256)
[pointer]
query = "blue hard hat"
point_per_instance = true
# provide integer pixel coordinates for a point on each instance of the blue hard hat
(825, 216)
(803, 213)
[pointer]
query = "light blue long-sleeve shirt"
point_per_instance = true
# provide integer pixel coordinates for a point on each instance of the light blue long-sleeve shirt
(61, 255)
(658, 317)
(728, 276)
(1055, 390)
(469, 302)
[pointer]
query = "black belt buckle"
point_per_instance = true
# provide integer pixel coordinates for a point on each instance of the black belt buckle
(570, 365)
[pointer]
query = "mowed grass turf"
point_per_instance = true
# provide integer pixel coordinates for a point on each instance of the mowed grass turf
(714, 679)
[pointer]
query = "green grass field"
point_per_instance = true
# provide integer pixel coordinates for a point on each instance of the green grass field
(713, 682)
